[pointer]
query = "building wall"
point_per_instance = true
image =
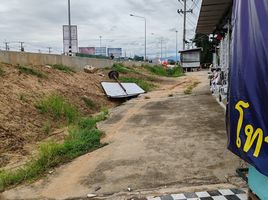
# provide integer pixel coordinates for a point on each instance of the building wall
(79, 63)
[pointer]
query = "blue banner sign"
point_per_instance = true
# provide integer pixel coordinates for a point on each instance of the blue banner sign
(247, 109)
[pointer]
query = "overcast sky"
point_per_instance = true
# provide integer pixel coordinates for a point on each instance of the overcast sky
(38, 23)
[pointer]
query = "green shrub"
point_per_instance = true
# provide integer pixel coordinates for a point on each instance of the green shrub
(30, 71)
(58, 108)
(145, 85)
(175, 72)
(63, 68)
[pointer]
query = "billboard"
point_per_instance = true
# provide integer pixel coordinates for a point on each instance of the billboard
(66, 39)
(116, 52)
(87, 50)
(101, 51)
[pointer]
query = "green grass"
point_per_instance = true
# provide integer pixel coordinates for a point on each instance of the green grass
(57, 107)
(161, 71)
(119, 67)
(31, 71)
(145, 85)
(47, 128)
(89, 103)
(190, 88)
(63, 68)
(83, 137)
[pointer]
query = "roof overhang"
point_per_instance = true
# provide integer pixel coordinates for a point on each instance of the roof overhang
(191, 50)
(212, 15)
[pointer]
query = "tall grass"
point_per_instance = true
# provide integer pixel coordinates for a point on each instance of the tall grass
(190, 88)
(63, 68)
(31, 71)
(83, 137)
(58, 108)
(145, 85)
(161, 71)
(89, 103)
(119, 67)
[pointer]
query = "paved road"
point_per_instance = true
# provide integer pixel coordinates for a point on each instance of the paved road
(162, 139)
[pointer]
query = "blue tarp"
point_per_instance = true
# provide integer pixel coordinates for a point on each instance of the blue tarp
(247, 109)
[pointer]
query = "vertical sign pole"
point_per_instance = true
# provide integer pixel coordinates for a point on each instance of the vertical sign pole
(70, 31)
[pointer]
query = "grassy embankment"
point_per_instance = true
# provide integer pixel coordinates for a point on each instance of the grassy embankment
(145, 82)
(167, 72)
(83, 136)
(131, 74)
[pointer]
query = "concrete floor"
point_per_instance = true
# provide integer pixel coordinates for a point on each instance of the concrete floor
(161, 139)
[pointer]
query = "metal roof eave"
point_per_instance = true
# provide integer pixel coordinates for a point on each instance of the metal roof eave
(190, 50)
(212, 14)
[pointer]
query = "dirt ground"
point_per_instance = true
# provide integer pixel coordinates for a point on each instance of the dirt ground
(21, 125)
(163, 141)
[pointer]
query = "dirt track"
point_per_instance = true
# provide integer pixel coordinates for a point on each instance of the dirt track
(161, 139)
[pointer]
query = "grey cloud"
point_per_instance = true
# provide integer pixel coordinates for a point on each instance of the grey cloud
(39, 22)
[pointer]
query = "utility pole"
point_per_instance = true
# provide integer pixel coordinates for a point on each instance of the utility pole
(21, 46)
(184, 12)
(70, 31)
(145, 49)
(176, 46)
(165, 51)
(184, 23)
(100, 41)
(161, 49)
(145, 34)
(49, 50)
(7, 47)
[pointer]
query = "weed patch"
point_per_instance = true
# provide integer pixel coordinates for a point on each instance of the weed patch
(23, 98)
(145, 85)
(161, 71)
(63, 68)
(30, 71)
(119, 67)
(58, 108)
(89, 103)
(83, 137)
(2, 72)
(190, 88)
(46, 128)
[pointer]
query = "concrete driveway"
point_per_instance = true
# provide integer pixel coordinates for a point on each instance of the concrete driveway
(162, 139)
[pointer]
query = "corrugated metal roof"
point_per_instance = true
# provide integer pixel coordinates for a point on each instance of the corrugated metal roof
(211, 14)
(189, 50)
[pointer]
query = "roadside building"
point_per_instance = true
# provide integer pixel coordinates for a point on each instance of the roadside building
(239, 29)
(190, 59)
